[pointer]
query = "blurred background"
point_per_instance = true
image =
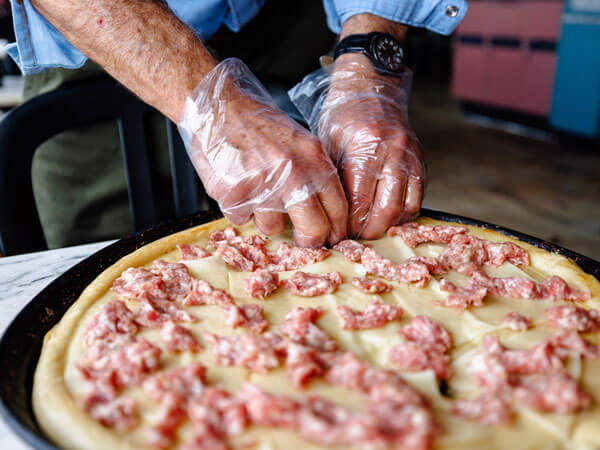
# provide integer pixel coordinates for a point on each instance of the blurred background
(507, 110)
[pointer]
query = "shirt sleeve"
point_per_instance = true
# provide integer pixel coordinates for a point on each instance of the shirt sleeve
(39, 45)
(440, 16)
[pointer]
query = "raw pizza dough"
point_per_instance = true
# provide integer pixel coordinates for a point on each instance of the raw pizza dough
(57, 381)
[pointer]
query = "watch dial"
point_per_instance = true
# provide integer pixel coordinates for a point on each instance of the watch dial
(389, 53)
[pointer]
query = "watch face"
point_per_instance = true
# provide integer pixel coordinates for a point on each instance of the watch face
(388, 52)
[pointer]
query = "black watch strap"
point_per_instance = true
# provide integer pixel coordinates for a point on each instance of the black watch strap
(384, 50)
(355, 43)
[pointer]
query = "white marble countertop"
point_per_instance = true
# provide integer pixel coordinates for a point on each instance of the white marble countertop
(21, 278)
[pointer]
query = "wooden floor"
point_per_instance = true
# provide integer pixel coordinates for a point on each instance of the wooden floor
(548, 190)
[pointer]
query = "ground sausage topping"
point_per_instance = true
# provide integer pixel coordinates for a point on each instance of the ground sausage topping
(414, 234)
(203, 293)
(174, 390)
(540, 358)
(427, 333)
(179, 339)
(112, 319)
(120, 363)
(388, 421)
(164, 281)
(571, 341)
(248, 316)
(480, 285)
(412, 271)
(299, 326)
(235, 258)
(573, 318)
(267, 409)
(464, 297)
(245, 253)
(490, 408)
(352, 250)
(467, 253)
(293, 258)
(115, 359)
(120, 413)
(261, 283)
(311, 284)
(414, 358)
(557, 393)
(248, 253)
(371, 286)
(427, 346)
(191, 251)
(110, 366)
(257, 353)
(304, 362)
(154, 313)
(215, 416)
(534, 376)
(516, 322)
(375, 315)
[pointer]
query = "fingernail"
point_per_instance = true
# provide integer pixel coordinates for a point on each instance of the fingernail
(303, 240)
(335, 237)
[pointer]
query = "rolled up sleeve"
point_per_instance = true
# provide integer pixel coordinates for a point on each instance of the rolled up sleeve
(440, 16)
(39, 45)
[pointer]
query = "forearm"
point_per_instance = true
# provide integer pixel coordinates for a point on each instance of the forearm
(367, 23)
(141, 43)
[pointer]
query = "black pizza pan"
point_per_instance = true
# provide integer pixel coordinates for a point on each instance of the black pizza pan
(22, 341)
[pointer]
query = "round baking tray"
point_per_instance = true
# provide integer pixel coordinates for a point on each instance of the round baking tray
(22, 341)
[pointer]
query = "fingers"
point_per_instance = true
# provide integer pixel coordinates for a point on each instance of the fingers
(335, 205)
(413, 199)
(237, 212)
(398, 196)
(311, 225)
(360, 182)
(416, 183)
(236, 217)
(269, 222)
(388, 203)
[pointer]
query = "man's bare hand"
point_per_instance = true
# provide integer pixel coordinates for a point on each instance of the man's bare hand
(256, 162)
(364, 127)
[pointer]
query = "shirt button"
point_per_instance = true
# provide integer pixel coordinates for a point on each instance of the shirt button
(452, 11)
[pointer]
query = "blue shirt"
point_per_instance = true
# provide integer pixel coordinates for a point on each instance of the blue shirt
(40, 46)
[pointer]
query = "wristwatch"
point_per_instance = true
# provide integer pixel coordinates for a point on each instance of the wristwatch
(385, 50)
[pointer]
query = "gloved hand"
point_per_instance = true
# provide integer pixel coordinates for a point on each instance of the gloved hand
(256, 162)
(360, 115)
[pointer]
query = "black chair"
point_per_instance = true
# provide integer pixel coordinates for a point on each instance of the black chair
(74, 106)
(82, 104)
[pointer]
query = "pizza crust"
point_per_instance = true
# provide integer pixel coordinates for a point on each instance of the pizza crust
(56, 380)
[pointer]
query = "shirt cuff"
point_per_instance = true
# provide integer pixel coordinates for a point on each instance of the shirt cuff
(440, 16)
(39, 45)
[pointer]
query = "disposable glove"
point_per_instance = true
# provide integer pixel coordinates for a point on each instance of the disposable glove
(360, 115)
(258, 163)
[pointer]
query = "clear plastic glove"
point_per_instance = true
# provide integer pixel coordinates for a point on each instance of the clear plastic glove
(360, 115)
(256, 162)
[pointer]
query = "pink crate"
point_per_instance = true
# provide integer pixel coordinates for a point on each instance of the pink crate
(538, 82)
(470, 79)
(508, 66)
(506, 18)
(477, 19)
(542, 19)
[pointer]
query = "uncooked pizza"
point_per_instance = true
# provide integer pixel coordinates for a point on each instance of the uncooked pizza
(436, 336)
